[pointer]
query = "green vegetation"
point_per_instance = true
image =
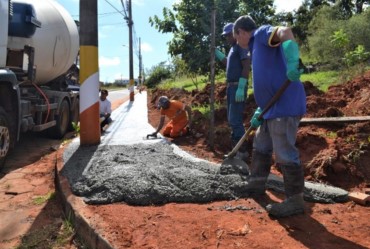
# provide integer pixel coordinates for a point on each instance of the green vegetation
(76, 127)
(39, 200)
(206, 110)
(331, 135)
(61, 235)
(333, 35)
(322, 80)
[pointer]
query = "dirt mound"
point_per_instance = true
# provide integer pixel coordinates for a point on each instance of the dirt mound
(335, 153)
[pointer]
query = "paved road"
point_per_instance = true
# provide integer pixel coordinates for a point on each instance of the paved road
(117, 95)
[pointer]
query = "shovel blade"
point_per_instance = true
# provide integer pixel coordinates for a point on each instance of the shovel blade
(234, 165)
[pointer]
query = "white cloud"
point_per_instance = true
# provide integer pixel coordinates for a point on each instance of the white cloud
(104, 61)
(283, 5)
(138, 2)
(145, 47)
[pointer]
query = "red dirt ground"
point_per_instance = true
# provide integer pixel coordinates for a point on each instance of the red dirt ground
(338, 154)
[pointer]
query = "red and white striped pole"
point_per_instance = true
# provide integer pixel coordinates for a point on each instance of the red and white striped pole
(89, 73)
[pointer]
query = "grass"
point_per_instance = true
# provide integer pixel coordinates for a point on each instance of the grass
(322, 80)
(50, 236)
(188, 84)
(39, 200)
(206, 109)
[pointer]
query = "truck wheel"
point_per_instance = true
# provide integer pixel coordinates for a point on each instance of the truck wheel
(4, 137)
(62, 121)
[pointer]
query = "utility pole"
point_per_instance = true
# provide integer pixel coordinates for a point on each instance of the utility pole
(131, 56)
(89, 73)
(140, 61)
(212, 78)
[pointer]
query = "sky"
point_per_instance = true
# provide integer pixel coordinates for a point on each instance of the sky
(113, 34)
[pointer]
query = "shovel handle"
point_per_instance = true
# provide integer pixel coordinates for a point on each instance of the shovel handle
(274, 98)
(268, 106)
(240, 142)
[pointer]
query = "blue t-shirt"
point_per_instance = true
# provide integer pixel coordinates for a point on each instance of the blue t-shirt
(269, 74)
(234, 66)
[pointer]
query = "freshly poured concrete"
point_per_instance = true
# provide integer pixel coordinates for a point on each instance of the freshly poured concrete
(127, 167)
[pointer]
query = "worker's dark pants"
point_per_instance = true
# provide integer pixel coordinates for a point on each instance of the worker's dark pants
(105, 121)
(235, 113)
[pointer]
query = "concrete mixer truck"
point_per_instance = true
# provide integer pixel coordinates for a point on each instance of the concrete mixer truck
(39, 44)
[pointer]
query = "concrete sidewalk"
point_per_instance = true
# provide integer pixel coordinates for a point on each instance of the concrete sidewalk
(126, 167)
(130, 123)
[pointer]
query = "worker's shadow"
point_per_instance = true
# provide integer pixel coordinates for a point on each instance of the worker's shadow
(307, 230)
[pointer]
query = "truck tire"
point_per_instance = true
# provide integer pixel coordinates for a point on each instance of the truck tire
(75, 115)
(63, 120)
(4, 136)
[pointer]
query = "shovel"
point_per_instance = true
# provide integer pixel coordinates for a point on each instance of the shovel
(232, 165)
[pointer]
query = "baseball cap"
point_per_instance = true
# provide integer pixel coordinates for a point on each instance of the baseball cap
(163, 102)
(228, 28)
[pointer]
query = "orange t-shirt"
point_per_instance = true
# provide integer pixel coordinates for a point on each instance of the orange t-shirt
(175, 111)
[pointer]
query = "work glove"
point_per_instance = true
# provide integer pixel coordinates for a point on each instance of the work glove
(291, 53)
(255, 123)
(239, 97)
(154, 134)
(219, 55)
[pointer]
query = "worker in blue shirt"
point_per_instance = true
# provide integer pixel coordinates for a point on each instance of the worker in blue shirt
(275, 58)
(237, 71)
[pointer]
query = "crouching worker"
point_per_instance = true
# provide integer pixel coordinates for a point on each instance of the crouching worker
(179, 115)
(105, 109)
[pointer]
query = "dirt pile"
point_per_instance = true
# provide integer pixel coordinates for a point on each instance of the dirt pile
(335, 153)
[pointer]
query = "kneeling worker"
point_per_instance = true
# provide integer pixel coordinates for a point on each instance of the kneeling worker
(179, 115)
(105, 109)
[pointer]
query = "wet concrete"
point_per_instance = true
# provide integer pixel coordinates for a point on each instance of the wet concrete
(142, 174)
(146, 174)
(127, 168)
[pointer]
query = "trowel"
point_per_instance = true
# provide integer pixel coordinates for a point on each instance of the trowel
(232, 165)
(151, 137)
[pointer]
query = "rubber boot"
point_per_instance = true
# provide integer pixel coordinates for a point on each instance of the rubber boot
(294, 185)
(259, 171)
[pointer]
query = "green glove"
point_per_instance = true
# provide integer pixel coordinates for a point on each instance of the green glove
(219, 55)
(255, 123)
(239, 97)
(291, 53)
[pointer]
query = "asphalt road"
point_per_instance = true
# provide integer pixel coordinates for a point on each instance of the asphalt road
(115, 95)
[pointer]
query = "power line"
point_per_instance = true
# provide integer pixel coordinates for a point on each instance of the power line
(114, 7)
(103, 14)
(125, 9)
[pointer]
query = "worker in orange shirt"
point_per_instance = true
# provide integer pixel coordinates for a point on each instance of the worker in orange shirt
(179, 115)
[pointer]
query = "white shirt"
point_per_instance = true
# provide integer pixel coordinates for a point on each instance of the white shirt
(104, 106)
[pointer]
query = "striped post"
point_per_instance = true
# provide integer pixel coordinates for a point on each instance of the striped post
(89, 73)
(131, 57)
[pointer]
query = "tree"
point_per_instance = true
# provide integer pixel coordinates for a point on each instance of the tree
(262, 11)
(188, 21)
(331, 37)
(158, 73)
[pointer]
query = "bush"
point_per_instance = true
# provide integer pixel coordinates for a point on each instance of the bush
(157, 74)
(328, 42)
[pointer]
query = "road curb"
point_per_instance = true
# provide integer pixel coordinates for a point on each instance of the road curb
(87, 232)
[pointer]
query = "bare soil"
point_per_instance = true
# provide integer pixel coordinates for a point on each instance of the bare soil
(337, 154)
